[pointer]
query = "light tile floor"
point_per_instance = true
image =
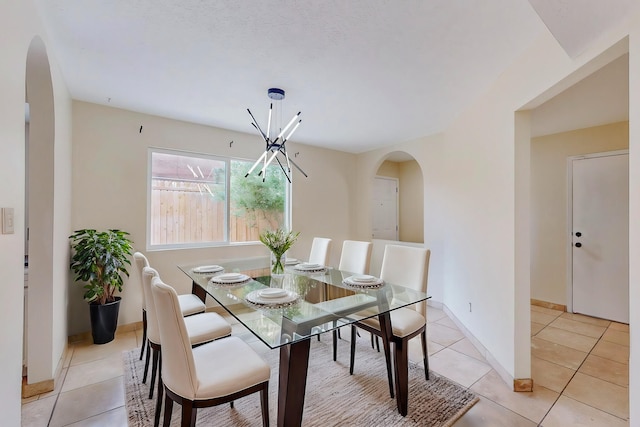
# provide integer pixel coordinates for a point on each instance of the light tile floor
(579, 367)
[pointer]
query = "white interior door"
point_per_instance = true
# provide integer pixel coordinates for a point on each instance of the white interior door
(385, 208)
(600, 238)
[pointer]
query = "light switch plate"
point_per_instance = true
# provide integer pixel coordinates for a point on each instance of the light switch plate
(7, 220)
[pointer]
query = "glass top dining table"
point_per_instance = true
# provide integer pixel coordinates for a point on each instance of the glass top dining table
(310, 303)
(325, 301)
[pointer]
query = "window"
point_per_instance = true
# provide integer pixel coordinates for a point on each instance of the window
(198, 200)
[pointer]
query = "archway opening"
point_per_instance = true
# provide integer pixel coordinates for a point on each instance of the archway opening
(39, 203)
(398, 199)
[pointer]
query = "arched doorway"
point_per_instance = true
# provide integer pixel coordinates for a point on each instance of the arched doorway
(398, 172)
(39, 209)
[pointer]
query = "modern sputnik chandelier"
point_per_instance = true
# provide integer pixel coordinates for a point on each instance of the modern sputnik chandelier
(275, 140)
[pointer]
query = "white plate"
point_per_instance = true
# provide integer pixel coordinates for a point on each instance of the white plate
(309, 265)
(291, 261)
(364, 278)
(230, 278)
(349, 281)
(208, 269)
(305, 266)
(272, 293)
(256, 297)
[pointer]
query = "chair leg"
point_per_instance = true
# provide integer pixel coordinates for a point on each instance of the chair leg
(168, 409)
(264, 405)
(335, 345)
(387, 360)
(144, 332)
(231, 404)
(353, 349)
(374, 338)
(402, 372)
(425, 354)
(339, 334)
(156, 420)
(188, 413)
(146, 363)
(154, 369)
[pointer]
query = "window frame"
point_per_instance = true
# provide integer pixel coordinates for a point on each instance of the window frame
(196, 245)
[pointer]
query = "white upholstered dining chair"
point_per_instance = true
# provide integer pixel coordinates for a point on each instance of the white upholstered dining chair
(189, 304)
(200, 328)
(209, 375)
(354, 258)
(320, 249)
(142, 262)
(409, 267)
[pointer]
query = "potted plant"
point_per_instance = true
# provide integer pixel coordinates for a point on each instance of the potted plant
(100, 259)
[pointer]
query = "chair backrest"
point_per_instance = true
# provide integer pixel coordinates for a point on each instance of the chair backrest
(141, 262)
(407, 266)
(320, 248)
(153, 332)
(355, 256)
(377, 252)
(178, 367)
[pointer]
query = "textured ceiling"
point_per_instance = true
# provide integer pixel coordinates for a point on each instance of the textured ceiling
(364, 73)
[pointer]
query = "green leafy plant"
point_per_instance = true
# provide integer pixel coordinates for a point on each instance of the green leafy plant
(100, 259)
(278, 242)
(256, 201)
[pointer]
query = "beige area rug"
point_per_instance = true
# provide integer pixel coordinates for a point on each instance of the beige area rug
(333, 397)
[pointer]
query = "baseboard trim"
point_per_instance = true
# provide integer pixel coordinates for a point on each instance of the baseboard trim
(121, 329)
(550, 305)
(510, 381)
(30, 390)
(523, 384)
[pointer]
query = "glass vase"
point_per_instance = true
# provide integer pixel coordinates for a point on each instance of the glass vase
(277, 264)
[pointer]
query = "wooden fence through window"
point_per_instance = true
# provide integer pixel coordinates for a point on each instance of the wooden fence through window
(185, 212)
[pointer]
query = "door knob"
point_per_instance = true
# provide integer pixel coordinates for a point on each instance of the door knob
(578, 245)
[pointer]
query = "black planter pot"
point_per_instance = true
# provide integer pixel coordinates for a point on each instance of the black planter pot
(104, 321)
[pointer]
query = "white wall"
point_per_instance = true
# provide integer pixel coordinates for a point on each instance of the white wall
(549, 201)
(110, 191)
(483, 168)
(634, 225)
(19, 24)
(472, 173)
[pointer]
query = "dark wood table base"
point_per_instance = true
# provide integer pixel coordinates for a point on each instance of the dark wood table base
(401, 364)
(294, 361)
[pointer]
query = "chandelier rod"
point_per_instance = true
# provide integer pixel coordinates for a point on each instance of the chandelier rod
(277, 146)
